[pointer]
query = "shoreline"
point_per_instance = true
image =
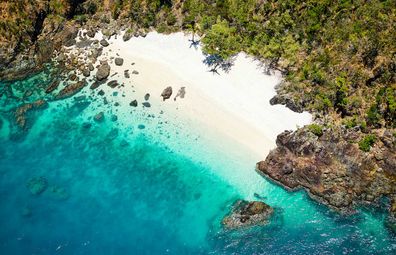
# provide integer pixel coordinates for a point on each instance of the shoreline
(235, 104)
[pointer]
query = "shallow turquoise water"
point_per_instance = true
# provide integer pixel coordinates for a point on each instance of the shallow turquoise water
(124, 190)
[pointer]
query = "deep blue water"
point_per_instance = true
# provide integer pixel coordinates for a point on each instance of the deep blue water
(110, 192)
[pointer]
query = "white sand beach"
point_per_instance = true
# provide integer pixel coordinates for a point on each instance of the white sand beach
(234, 103)
(225, 120)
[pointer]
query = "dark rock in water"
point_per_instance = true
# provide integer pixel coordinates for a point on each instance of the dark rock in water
(96, 84)
(103, 71)
(146, 104)
(135, 72)
(104, 43)
(141, 126)
(332, 168)
(114, 118)
(87, 125)
(126, 74)
(26, 212)
(28, 93)
(245, 213)
(22, 113)
(147, 96)
(112, 84)
(53, 86)
(73, 77)
(101, 93)
(181, 93)
(167, 93)
(37, 185)
(99, 117)
(134, 103)
(71, 89)
(119, 61)
(57, 193)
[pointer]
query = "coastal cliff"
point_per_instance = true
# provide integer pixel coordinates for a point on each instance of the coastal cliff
(333, 169)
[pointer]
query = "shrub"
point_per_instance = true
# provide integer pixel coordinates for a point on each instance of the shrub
(366, 143)
(316, 129)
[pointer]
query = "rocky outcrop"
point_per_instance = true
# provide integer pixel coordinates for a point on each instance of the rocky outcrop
(245, 213)
(71, 89)
(332, 168)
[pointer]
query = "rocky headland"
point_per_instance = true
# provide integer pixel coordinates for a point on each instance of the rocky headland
(339, 167)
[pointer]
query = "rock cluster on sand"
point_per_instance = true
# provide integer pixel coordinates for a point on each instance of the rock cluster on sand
(332, 168)
(166, 93)
(37, 185)
(245, 213)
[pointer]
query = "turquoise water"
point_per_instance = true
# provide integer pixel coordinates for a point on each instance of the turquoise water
(118, 188)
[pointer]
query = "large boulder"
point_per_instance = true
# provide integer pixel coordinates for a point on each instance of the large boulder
(71, 89)
(166, 93)
(103, 71)
(119, 61)
(245, 213)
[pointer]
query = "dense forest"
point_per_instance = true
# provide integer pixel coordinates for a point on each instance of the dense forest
(338, 57)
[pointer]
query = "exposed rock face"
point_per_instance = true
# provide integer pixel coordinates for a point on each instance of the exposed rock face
(332, 168)
(103, 71)
(245, 213)
(71, 89)
(167, 93)
(119, 61)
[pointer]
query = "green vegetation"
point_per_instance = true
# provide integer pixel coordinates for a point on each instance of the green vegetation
(316, 129)
(338, 57)
(367, 142)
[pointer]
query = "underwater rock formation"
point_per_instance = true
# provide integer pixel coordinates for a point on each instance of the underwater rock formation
(245, 213)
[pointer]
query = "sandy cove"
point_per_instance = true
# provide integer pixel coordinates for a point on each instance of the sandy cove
(235, 104)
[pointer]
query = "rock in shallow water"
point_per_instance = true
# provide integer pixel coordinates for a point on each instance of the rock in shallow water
(245, 213)
(37, 185)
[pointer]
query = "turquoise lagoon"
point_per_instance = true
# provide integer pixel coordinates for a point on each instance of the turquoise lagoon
(145, 184)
